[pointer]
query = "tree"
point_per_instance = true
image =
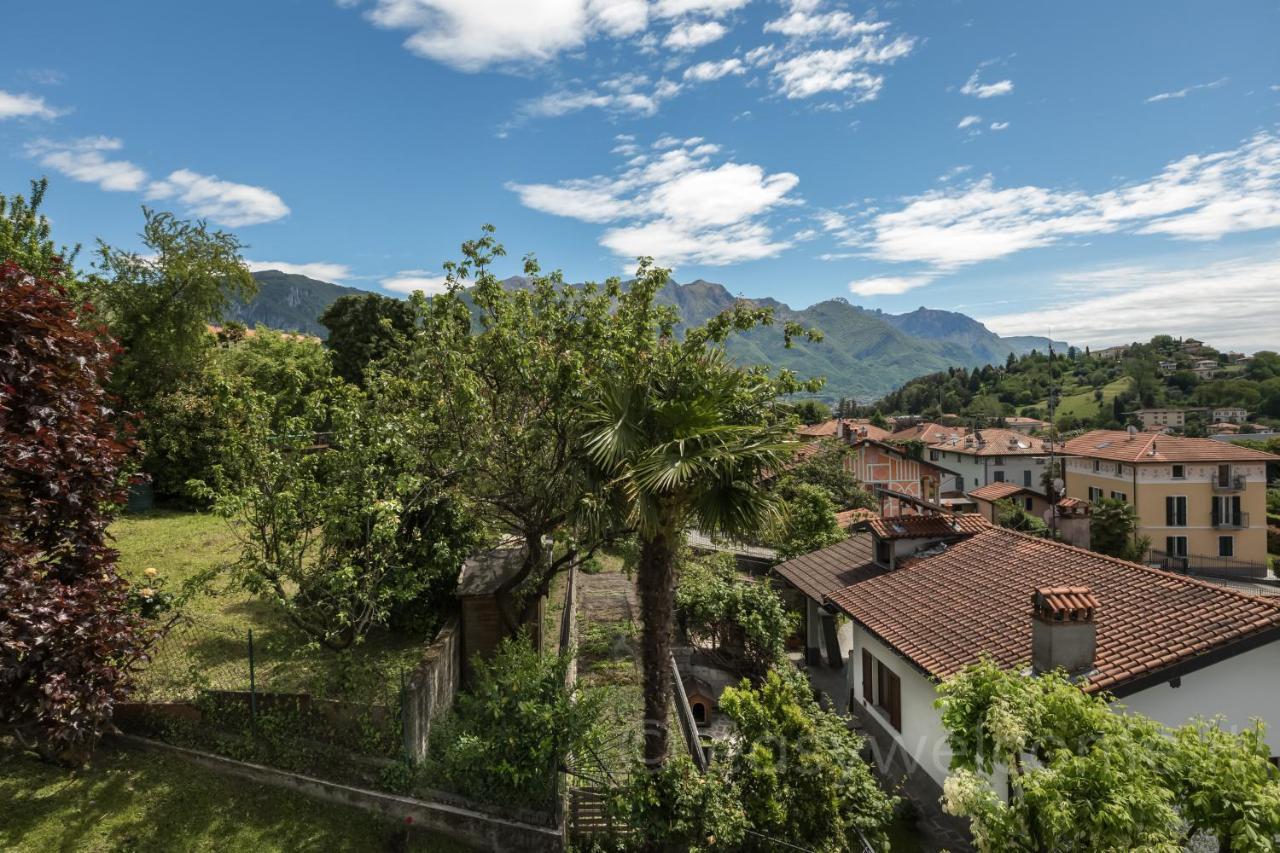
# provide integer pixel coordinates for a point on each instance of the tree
(364, 329)
(717, 606)
(25, 238)
(806, 522)
(1016, 517)
(798, 769)
(684, 437)
(1101, 779)
(812, 411)
(1113, 530)
(158, 305)
(829, 468)
(67, 639)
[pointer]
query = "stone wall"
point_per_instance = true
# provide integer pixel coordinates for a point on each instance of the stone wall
(430, 690)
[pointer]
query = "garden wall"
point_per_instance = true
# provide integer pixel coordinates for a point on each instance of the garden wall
(431, 688)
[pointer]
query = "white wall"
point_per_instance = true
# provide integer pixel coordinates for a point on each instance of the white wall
(1239, 688)
(977, 471)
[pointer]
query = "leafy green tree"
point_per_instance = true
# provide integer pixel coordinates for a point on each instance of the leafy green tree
(25, 237)
(674, 807)
(1113, 530)
(806, 522)
(812, 411)
(830, 468)
(684, 437)
(799, 771)
(1101, 778)
(718, 607)
(1014, 516)
(364, 329)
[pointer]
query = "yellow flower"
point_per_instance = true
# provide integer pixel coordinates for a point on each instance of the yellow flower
(150, 572)
(147, 592)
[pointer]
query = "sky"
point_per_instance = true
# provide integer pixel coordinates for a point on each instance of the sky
(1100, 171)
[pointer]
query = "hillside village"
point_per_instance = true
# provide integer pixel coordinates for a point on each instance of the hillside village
(639, 426)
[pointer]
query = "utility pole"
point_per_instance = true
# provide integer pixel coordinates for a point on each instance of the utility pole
(1053, 435)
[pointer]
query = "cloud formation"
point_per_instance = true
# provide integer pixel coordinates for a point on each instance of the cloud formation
(222, 201)
(21, 105)
(85, 160)
(675, 204)
(705, 72)
(985, 90)
(689, 35)
(411, 281)
(888, 285)
(1186, 90)
(322, 270)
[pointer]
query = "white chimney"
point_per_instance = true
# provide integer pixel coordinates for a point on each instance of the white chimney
(1063, 634)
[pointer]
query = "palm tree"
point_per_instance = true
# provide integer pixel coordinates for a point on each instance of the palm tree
(682, 439)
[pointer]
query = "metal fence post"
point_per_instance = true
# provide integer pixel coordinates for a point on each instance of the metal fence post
(253, 690)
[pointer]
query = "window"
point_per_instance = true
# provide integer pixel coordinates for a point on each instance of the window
(1095, 494)
(1120, 468)
(1179, 472)
(998, 461)
(884, 552)
(976, 484)
(882, 688)
(1175, 546)
(1028, 503)
(1175, 511)
(933, 456)
(1224, 475)
(999, 476)
(1097, 465)
(1119, 496)
(1227, 511)
(1026, 478)
(1226, 546)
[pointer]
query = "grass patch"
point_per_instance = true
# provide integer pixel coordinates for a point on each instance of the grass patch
(142, 802)
(211, 650)
(1083, 404)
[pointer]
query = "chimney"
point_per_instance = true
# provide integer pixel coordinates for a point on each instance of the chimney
(1063, 635)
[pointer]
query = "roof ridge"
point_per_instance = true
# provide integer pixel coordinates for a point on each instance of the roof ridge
(1184, 579)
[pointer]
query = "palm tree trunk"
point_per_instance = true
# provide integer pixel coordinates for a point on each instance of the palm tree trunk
(656, 586)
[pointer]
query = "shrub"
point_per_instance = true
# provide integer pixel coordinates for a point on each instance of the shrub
(67, 638)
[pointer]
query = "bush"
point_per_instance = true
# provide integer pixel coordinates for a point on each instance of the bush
(509, 735)
(67, 638)
(717, 606)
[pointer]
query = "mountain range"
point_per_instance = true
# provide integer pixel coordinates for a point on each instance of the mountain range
(864, 354)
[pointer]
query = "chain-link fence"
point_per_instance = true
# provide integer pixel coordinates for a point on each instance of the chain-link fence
(269, 698)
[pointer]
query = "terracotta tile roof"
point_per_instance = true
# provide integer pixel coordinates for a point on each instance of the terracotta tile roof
(1073, 503)
(996, 491)
(929, 433)
(820, 573)
(944, 612)
(1066, 602)
(1156, 447)
(997, 442)
(829, 429)
(927, 526)
(1024, 421)
(850, 517)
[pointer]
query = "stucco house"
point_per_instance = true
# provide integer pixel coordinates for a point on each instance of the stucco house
(925, 597)
(986, 497)
(990, 456)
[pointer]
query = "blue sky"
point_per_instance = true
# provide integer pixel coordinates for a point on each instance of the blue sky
(1110, 170)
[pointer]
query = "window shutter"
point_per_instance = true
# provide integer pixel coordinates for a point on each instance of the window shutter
(1170, 512)
(1217, 511)
(1237, 516)
(895, 702)
(866, 675)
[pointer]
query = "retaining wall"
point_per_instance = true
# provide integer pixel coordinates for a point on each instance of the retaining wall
(430, 690)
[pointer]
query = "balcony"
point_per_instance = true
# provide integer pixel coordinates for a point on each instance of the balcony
(1231, 521)
(1226, 567)
(1234, 483)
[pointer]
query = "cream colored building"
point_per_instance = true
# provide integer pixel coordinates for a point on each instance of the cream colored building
(1201, 502)
(1161, 418)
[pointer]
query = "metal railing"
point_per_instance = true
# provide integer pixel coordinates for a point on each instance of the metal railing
(1234, 483)
(1228, 567)
(1231, 520)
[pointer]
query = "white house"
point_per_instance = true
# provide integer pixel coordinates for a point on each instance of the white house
(933, 594)
(1230, 414)
(992, 456)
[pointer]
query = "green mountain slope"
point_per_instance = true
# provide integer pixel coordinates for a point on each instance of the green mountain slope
(864, 354)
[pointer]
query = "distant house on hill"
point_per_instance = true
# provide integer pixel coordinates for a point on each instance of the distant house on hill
(1025, 425)
(1161, 418)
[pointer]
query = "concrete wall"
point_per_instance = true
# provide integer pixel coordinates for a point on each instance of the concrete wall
(431, 688)
(1239, 688)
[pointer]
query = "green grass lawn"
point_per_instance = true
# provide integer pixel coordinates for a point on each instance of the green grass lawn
(211, 649)
(1082, 404)
(140, 801)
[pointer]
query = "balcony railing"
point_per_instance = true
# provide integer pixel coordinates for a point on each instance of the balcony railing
(1217, 566)
(1235, 483)
(1232, 521)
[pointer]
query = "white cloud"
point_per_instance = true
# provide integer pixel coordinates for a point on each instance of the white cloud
(814, 72)
(1234, 303)
(715, 8)
(968, 121)
(689, 35)
(620, 17)
(222, 201)
(801, 24)
(322, 270)
(626, 94)
(999, 125)
(1182, 93)
(705, 72)
(84, 160)
(26, 106)
(409, 281)
(985, 90)
(675, 205)
(888, 285)
(1200, 197)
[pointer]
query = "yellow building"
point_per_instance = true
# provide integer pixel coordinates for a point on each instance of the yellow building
(1201, 502)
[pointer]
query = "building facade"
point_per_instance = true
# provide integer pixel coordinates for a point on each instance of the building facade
(992, 456)
(1201, 502)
